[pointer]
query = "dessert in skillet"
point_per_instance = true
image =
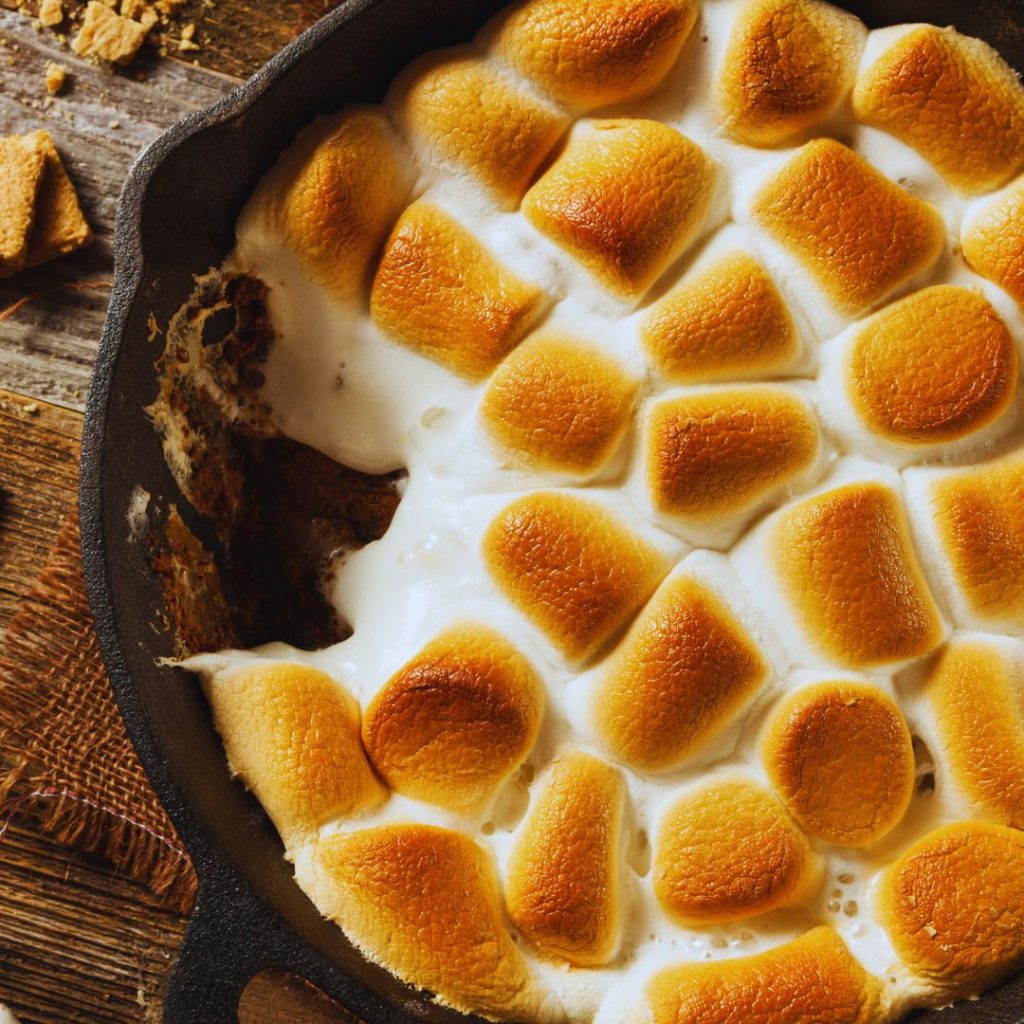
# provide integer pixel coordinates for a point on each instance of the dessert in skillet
(687, 684)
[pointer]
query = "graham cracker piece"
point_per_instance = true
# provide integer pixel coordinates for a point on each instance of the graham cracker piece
(107, 35)
(56, 78)
(60, 226)
(22, 162)
(51, 12)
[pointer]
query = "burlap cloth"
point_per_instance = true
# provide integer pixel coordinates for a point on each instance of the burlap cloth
(66, 759)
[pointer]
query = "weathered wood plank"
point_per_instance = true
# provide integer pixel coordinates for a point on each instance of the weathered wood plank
(77, 944)
(235, 36)
(48, 345)
(39, 446)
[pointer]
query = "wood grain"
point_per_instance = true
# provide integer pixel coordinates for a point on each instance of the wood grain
(80, 946)
(39, 446)
(76, 944)
(234, 37)
(48, 345)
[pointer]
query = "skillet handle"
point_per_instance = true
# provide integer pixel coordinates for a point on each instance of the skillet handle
(231, 937)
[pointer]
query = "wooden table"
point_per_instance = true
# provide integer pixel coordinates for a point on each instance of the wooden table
(78, 943)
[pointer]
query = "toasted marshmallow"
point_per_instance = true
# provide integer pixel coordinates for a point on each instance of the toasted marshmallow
(690, 664)
(563, 887)
(453, 723)
(423, 902)
(714, 457)
(842, 561)
(590, 53)
(292, 735)
(333, 197)
(440, 292)
(992, 238)
(858, 235)
(839, 753)
(787, 65)
(726, 851)
(625, 198)
(975, 692)
(559, 404)
(973, 538)
(812, 980)
(951, 97)
(460, 111)
(953, 905)
(931, 374)
(572, 567)
(726, 322)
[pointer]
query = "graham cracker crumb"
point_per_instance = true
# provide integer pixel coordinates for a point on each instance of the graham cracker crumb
(140, 11)
(51, 12)
(56, 78)
(107, 35)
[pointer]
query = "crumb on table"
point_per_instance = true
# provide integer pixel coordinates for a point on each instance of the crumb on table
(40, 217)
(108, 35)
(56, 78)
(140, 11)
(51, 12)
(22, 163)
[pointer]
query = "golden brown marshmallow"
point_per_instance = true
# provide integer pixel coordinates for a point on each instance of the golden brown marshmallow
(454, 722)
(727, 322)
(570, 567)
(334, 197)
(978, 519)
(953, 99)
(976, 694)
(859, 235)
(811, 980)
(557, 403)
(441, 293)
(625, 198)
(840, 755)
(590, 53)
(847, 565)
(714, 454)
(464, 112)
(787, 66)
(729, 851)
(563, 888)
(993, 240)
(292, 735)
(423, 902)
(935, 366)
(681, 674)
(953, 905)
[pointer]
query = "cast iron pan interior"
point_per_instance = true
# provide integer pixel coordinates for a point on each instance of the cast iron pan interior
(176, 219)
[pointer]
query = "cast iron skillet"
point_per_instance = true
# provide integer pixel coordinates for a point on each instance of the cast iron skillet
(176, 218)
